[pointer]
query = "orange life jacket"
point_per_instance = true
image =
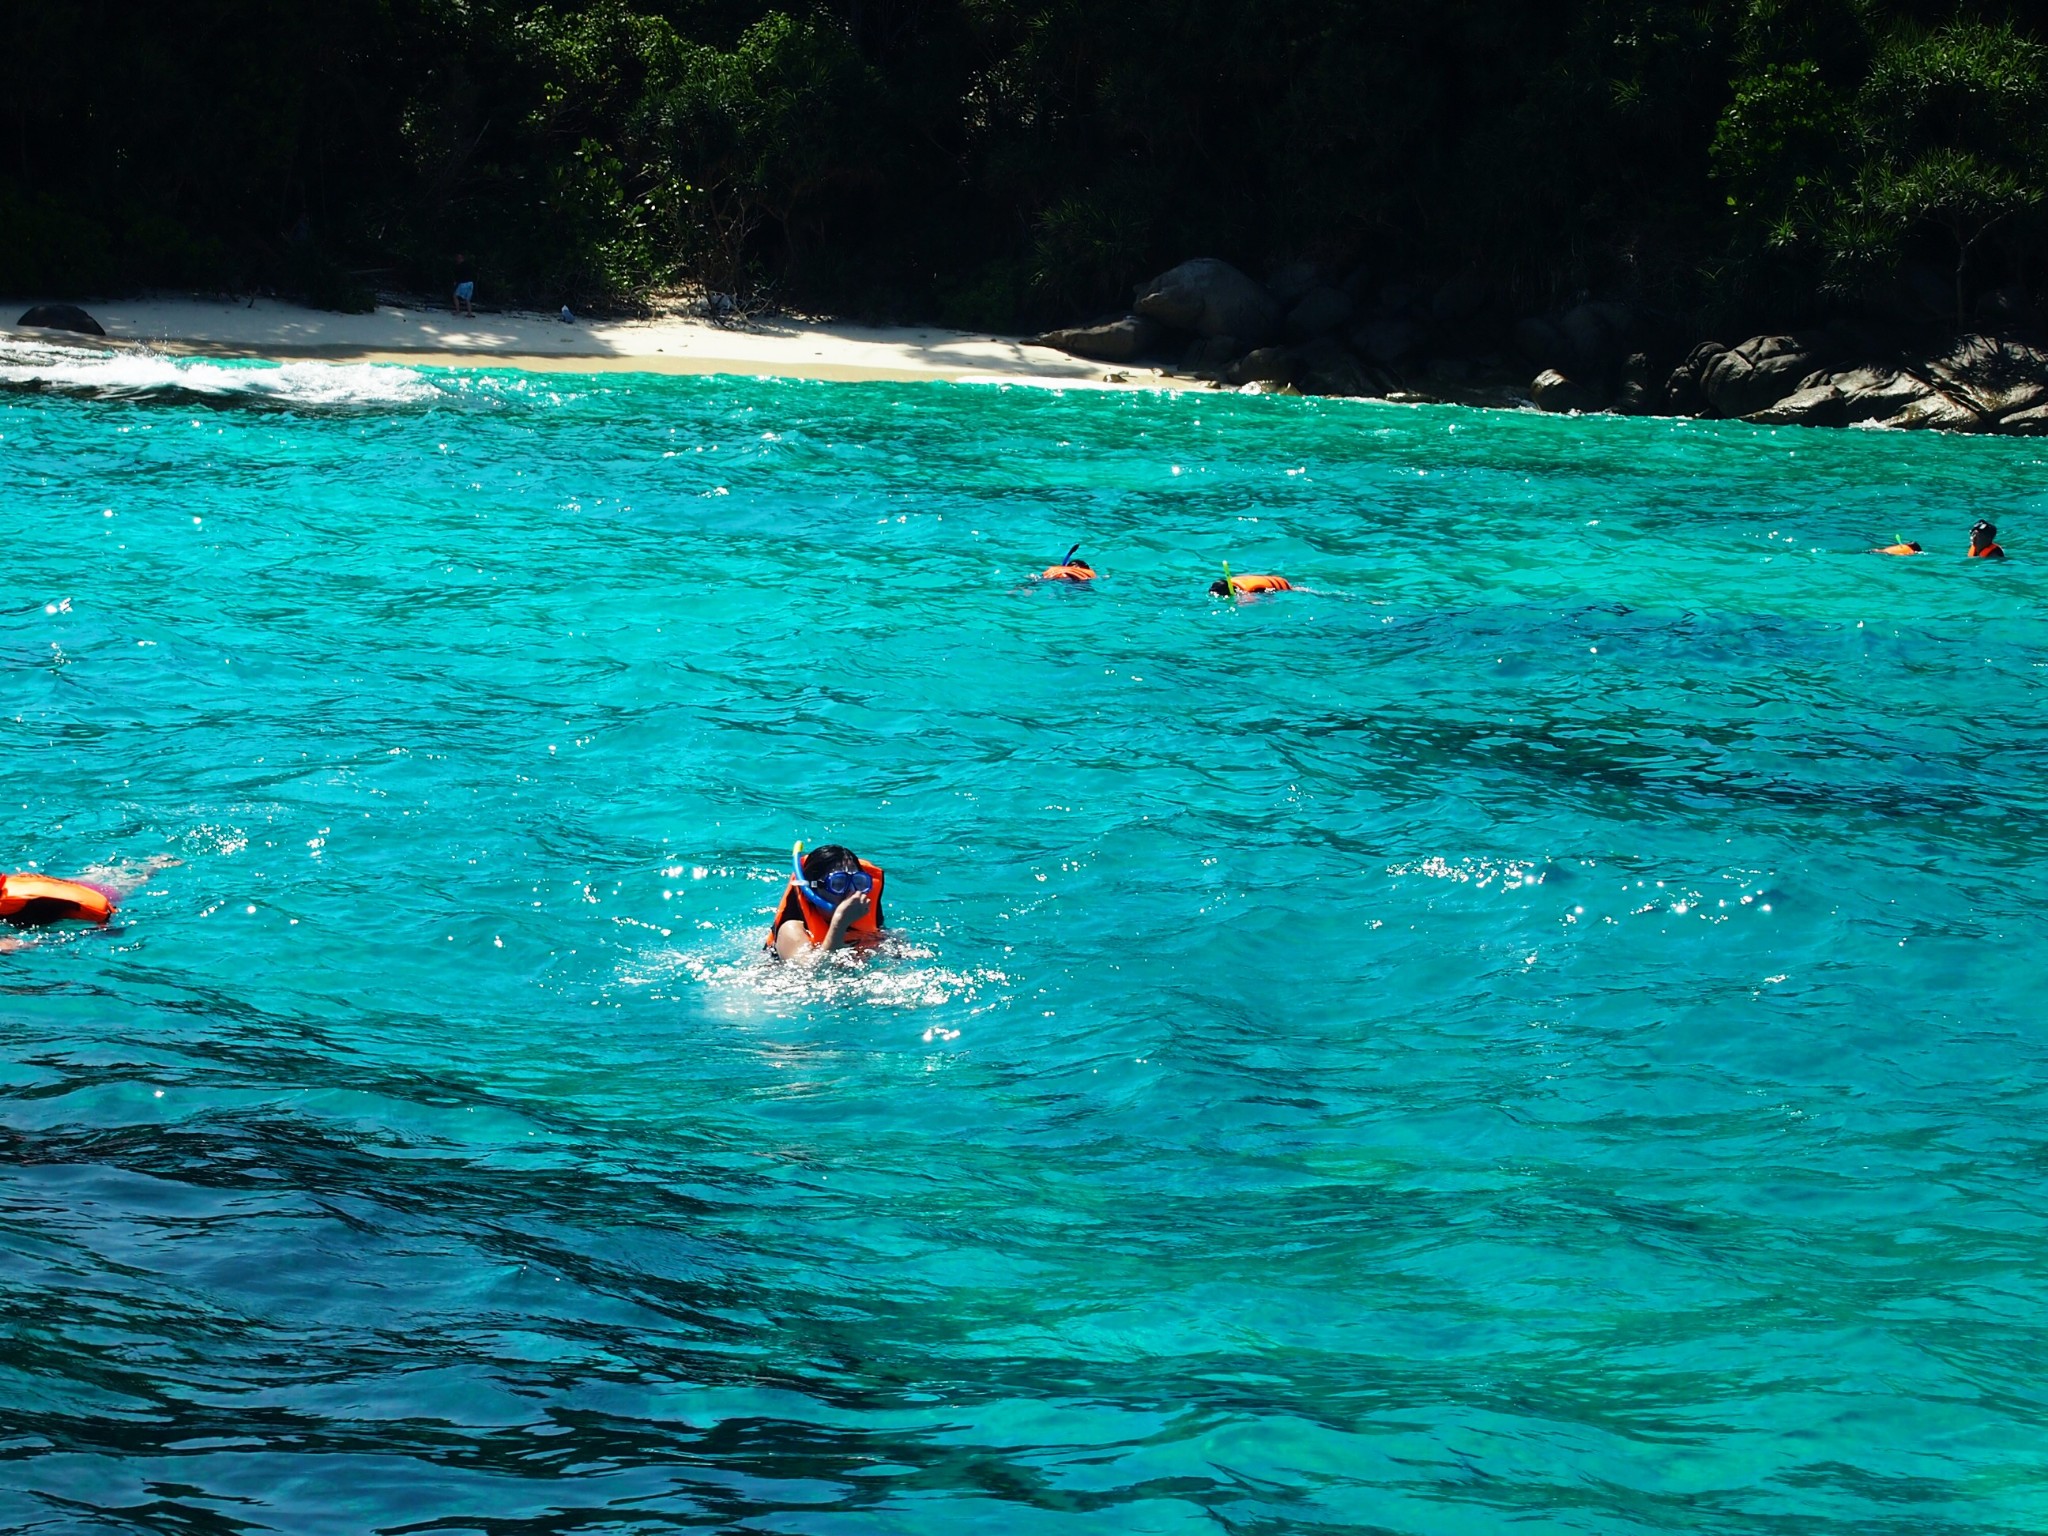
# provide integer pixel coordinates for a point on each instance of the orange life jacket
(1898, 549)
(28, 900)
(817, 923)
(1074, 572)
(1988, 552)
(1261, 584)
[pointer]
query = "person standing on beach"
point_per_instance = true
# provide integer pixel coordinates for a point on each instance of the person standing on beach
(465, 288)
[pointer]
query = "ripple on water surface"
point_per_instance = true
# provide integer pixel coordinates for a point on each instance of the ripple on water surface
(1541, 1026)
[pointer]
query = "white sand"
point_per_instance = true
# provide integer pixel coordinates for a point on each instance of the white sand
(272, 329)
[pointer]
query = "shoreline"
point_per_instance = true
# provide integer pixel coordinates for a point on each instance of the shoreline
(277, 331)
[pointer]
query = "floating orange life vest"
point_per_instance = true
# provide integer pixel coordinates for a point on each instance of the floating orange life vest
(1900, 549)
(1074, 572)
(29, 900)
(1261, 584)
(817, 922)
(1989, 552)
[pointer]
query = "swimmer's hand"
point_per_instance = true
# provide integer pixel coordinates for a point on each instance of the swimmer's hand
(847, 913)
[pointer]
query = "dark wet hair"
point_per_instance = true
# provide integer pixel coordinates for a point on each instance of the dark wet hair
(827, 857)
(1990, 533)
(1219, 588)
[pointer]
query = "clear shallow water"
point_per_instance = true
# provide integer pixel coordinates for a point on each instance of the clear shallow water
(1545, 1027)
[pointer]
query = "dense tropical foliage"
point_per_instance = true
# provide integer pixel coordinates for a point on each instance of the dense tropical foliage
(1004, 162)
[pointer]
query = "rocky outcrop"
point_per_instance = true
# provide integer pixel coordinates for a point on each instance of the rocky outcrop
(1979, 384)
(1760, 372)
(1112, 341)
(1636, 397)
(1305, 329)
(61, 317)
(1684, 391)
(1211, 298)
(1811, 405)
(1874, 394)
(1995, 378)
(1211, 356)
(1264, 365)
(1555, 391)
(1327, 367)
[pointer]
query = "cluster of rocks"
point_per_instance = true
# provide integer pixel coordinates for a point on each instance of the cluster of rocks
(60, 317)
(1298, 331)
(1973, 384)
(1303, 332)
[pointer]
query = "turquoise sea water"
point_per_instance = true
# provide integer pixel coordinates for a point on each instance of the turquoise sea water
(1543, 1029)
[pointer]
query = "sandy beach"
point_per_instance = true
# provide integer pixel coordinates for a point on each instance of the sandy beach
(271, 328)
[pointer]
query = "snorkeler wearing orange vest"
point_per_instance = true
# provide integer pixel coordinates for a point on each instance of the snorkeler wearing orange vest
(1069, 569)
(35, 901)
(1909, 547)
(1245, 586)
(1984, 543)
(833, 898)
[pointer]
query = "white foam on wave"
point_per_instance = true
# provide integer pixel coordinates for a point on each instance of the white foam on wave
(744, 982)
(129, 375)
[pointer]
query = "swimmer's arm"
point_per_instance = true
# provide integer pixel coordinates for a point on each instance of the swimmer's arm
(793, 940)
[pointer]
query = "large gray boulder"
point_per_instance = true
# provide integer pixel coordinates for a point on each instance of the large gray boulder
(1635, 397)
(1326, 366)
(1810, 405)
(1112, 341)
(1760, 372)
(1993, 377)
(1211, 356)
(1555, 391)
(1210, 298)
(1935, 411)
(1266, 365)
(61, 317)
(2027, 423)
(1875, 394)
(1684, 394)
(1892, 397)
(1321, 311)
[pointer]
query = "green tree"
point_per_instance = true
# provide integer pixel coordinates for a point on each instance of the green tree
(1954, 123)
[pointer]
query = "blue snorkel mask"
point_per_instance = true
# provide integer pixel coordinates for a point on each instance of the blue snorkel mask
(828, 891)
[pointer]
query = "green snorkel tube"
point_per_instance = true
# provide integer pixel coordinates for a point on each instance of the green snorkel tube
(1229, 587)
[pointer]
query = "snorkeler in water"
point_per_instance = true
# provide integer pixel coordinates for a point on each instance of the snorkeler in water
(1984, 543)
(1248, 586)
(1902, 547)
(41, 901)
(833, 899)
(1069, 568)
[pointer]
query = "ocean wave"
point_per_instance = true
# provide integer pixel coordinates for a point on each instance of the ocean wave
(41, 368)
(897, 974)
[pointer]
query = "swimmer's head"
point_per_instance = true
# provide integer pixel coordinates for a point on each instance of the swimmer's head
(1913, 545)
(1982, 533)
(1219, 588)
(831, 874)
